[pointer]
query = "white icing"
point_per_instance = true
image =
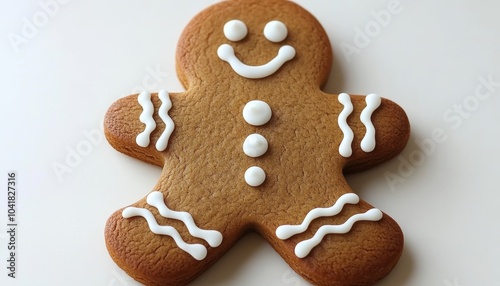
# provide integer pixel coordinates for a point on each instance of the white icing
(275, 31)
(226, 53)
(255, 145)
(212, 237)
(257, 112)
(166, 104)
(303, 248)
(146, 117)
(197, 251)
(372, 103)
(345, 146)
(235, 30)
(287, 231)
(255, 176)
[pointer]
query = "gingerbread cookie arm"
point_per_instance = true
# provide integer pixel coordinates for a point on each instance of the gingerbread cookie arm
(380, 130)
(140, 126)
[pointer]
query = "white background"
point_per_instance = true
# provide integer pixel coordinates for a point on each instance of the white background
(431, 57)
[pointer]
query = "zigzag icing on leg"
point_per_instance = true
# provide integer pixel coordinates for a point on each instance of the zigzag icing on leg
(287, 231)
(212, 237)
(197, 251)
(303, 248)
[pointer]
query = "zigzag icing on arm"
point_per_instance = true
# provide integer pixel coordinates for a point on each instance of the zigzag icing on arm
(146, 117)
(166, 104)
(303, 248)
(197, 251)
(212, 237)
(287, 231)
(345, 146)
(372, 103)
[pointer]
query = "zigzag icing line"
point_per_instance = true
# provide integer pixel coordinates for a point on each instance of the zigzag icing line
(303, 248)
(146, 117)
(287, 231)
(166, 105)
(212, 237)
(345, 149)
(372, 103)
(197, 251)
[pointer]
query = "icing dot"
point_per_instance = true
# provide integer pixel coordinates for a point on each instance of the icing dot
(257, 112)
(275, 31)
(255, 176)
(255, 145)
(235, 30)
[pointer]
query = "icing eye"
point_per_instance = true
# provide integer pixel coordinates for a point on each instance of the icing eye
(275, 31)
(235, 30)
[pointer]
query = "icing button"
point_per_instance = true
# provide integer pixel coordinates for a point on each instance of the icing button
(255, 176)
(255, 145)
(257, 112)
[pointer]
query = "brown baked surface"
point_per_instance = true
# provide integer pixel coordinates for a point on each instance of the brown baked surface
(203, 165)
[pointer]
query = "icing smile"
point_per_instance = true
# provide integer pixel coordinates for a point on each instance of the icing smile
(275, 31)
(226, 53)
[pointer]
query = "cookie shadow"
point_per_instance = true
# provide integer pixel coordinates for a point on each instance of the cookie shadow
(236, 260)
(363, 182)
(335, 83)
(401, 274)
(402, 167)
(232, 263)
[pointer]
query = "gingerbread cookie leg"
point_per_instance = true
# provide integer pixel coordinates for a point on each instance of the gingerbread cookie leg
(364, 255)
(345, 242)
(136, 235)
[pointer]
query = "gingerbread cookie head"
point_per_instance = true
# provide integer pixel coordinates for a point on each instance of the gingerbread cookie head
(253, 144)
(254, 39)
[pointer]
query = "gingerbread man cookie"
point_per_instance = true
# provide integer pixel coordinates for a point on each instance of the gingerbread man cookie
(254, 144)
